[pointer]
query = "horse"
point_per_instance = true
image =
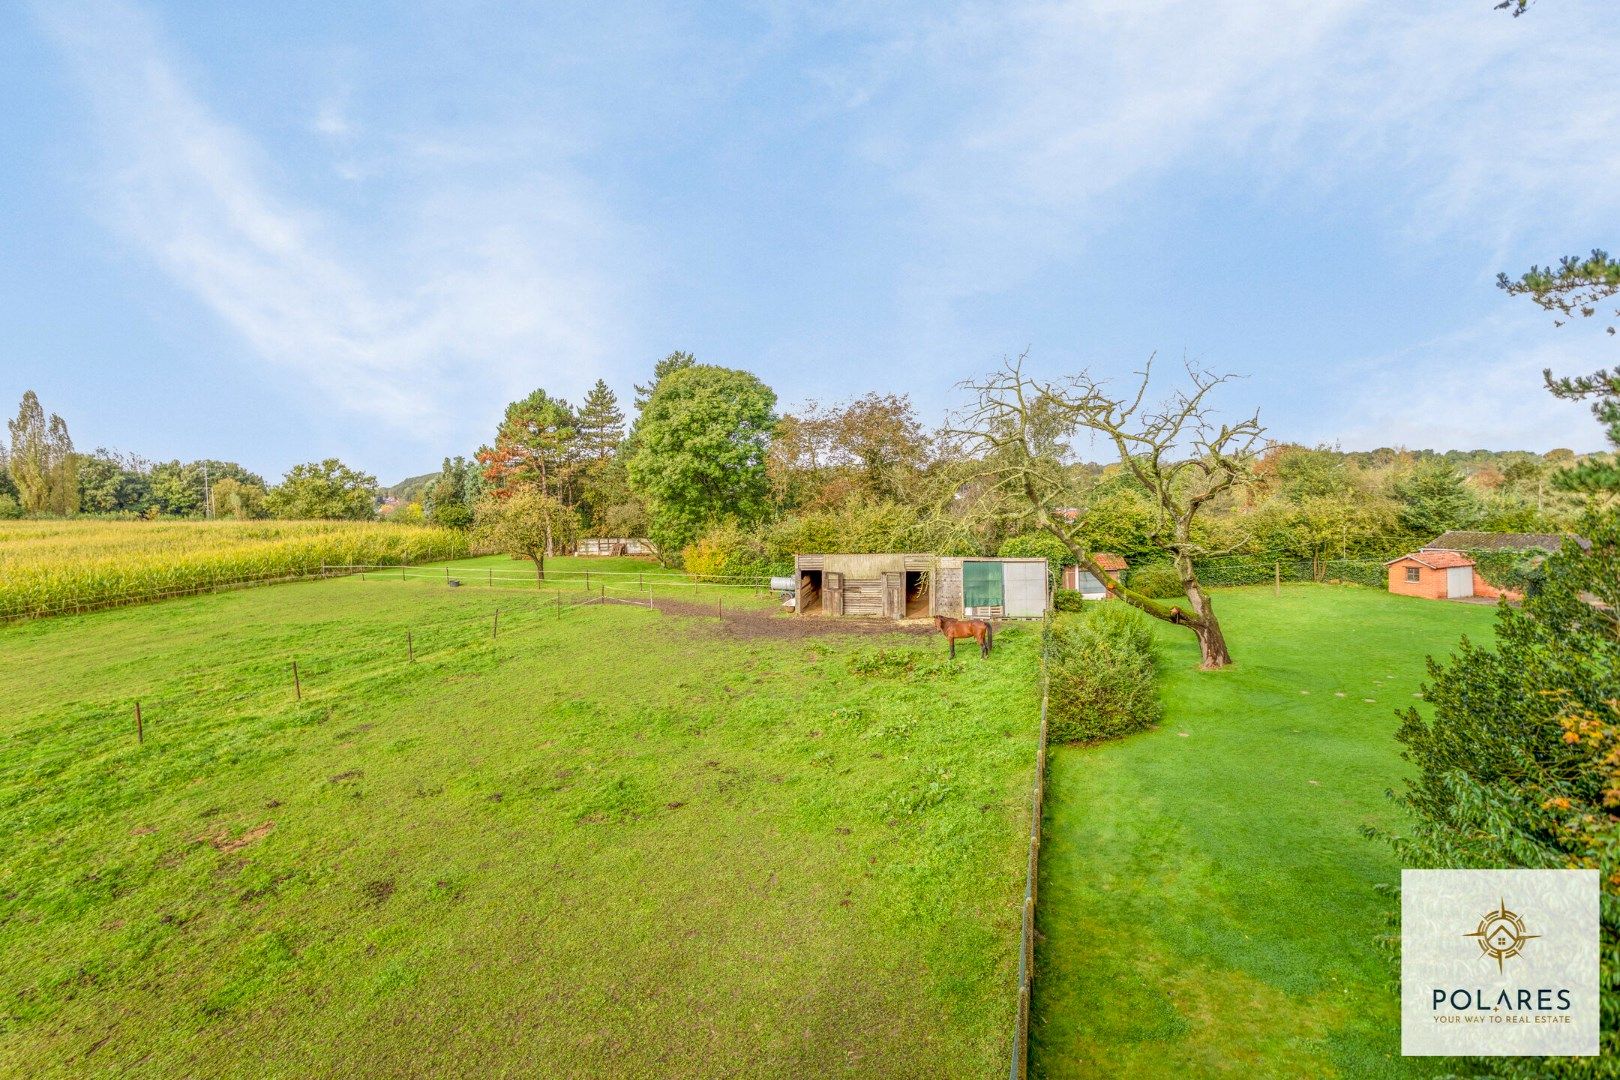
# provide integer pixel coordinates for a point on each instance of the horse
(977, 629)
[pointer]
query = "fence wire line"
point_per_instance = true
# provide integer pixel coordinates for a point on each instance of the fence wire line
(1026, 940)
(369, 663)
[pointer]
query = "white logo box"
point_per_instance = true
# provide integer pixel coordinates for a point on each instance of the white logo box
(1499, 962)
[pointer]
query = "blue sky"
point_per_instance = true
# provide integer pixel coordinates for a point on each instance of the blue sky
(273, 233)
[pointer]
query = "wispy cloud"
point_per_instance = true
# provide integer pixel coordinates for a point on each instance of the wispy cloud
(482, 288)
(1477, 388)
(1046, 111)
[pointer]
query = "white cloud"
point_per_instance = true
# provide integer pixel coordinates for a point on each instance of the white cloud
(1479, 388)
(1047, 115)
(483, 289)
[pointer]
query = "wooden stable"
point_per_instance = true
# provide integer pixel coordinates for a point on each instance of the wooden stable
(918, 586)
(615, 545)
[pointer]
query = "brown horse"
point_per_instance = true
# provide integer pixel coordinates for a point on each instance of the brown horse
(977, 629)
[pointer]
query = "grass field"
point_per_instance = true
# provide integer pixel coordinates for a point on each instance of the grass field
(47, 567)
(1207, 902)
(612, 841)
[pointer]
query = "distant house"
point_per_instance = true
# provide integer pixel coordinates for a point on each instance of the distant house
(1464, 540)
(1440, 574)
(1085, 582)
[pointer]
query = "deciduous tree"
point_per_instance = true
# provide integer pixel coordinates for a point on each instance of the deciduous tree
(700, 452)
(524, 522)
(1021, 426)
(324, 489)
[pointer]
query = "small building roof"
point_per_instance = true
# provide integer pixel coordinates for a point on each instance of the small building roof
(1109, 561)
(1468, 540)
(1435, 560)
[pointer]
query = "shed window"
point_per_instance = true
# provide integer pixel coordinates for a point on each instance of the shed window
(1413, 574)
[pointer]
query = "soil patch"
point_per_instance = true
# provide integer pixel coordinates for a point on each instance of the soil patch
(750, 623)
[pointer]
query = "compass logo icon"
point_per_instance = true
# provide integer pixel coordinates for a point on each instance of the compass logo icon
(1501, 934)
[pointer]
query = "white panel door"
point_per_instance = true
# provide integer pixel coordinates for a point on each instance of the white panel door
(1023, 590)
(1459, 581)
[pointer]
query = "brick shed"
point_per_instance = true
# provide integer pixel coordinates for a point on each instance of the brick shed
(1086, 583)
(1440, 575)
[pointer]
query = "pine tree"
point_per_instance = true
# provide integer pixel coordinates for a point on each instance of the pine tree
(673, 362)
(600, 424)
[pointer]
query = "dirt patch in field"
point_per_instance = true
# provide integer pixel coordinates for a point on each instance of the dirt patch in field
(221, 839)
(752, 623)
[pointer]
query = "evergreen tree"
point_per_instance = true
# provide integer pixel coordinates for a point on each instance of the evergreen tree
(600, 424)
(670, 364)
(535, 444)
(1434, 499)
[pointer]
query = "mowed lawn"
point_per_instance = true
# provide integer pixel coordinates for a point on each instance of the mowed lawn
(611, 842)
(1207, 903)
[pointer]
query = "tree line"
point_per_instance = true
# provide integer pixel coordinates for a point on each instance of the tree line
(41, 474)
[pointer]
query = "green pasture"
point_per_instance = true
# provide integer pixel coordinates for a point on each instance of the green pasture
(1207, 903)
(608, 842)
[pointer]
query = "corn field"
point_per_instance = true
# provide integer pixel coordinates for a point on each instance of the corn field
(49, 567)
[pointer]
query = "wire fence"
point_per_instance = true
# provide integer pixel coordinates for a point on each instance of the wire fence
(300, 675)
(1026, 938)
(490, 576)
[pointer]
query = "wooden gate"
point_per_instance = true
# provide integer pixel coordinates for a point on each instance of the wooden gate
(832, 593)
(894, 594)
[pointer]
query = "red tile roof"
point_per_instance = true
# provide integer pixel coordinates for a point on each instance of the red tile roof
(1109, 561)
(1436, 560)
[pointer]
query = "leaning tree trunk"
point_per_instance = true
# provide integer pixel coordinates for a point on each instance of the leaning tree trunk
(539, 569)
(1212, 649)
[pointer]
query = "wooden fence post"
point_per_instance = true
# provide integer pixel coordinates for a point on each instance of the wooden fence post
(298, 687)
(1278, 588)
(410, 649)
(140, 733)
(492, 579)
(495, 631)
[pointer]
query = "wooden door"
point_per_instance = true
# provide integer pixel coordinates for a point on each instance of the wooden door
(894, 595)
(832, 593)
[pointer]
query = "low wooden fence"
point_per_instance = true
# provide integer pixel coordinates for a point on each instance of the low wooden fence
(1026, 940)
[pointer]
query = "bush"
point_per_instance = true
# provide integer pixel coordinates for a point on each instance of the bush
(1100, 675)
(10, 508)
(1037, 545)
(726, 552)
(1157, 581)
(1067, 600)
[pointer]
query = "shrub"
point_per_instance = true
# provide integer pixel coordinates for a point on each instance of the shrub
(1067, 600)
(10, 508)
(1037, 545)
(726, 552)
(1100, 675)
(1519, 765)
(1158, 581)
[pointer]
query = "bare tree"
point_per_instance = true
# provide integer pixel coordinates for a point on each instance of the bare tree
(1020, 428)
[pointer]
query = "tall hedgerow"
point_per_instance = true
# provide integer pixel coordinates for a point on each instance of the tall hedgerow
(1519, 764)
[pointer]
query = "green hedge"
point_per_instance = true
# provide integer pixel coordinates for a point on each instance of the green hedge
(1157, 581)
(1100, 674)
